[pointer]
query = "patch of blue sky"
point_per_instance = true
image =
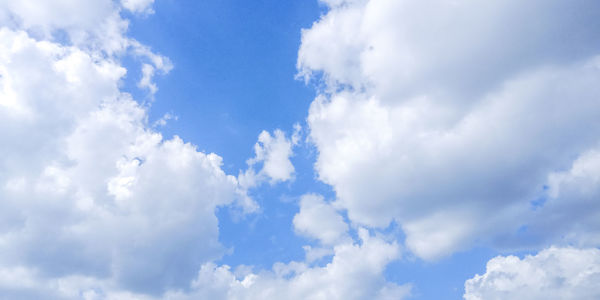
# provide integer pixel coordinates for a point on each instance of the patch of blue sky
(234, 76)
(234, 68)
(443, 279)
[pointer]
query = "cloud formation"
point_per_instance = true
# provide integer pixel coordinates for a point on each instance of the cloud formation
(90, 193)
(555, 273)
(433, 115)
(355, 272)
(319, 220)
(272, 154)
(438, 115)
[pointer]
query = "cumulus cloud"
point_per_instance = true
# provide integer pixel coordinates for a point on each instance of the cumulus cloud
(554, 273)
(355, 272)
(272, 153)
(93, 200)
(94, 26)
(442, 117)
(319, 220)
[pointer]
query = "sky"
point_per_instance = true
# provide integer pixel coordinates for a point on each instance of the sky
(300, 149)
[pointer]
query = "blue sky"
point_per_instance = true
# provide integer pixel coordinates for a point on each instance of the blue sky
(326, 149)
(226, 51)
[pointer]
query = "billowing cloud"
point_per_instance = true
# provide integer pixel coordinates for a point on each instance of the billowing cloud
(319, 220)
(90, 193)
(436, 115)
(355, 272)
(272, 154)
(443, 117)
(554, 273)
(138, 6)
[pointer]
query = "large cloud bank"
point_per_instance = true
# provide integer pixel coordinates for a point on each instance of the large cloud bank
(89, 192)
(96, 204)
(465, 122)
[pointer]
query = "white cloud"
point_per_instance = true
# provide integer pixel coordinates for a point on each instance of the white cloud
(92, 24)
(97, 205)
(441, 116)
(138, 6)
(273, 152)
(554, 273)
(355, 272)
(91, 196)
(164, 119)
(318, 219)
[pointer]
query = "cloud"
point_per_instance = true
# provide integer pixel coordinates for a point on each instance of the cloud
(318, 219)
(355, 272)
(569, 193)
(95, 26)
(554, 273)
(138, 6)
(95, 203)
(92, 24)
(442, 117)
(273, 153)
(92, 197)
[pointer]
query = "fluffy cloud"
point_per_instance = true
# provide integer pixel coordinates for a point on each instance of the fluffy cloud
(355, 272)
(272, 153)
(93, 200)
(555, 273)
(318, 219)
(138, 6)
(441, 116)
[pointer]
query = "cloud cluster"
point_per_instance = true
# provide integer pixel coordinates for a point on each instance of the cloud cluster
(355, 272)
(555, 273)
(91, 195)
(96, 204)
(272, 154)
(435, 115)
(456, 118)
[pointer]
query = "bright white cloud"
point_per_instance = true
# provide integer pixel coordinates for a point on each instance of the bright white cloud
(93, 200)
(436, 115)
(274, 153)
(138, 6)
(555, 273)
(442, 117)
(355, 272)
(91, 24)
(318, 219)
